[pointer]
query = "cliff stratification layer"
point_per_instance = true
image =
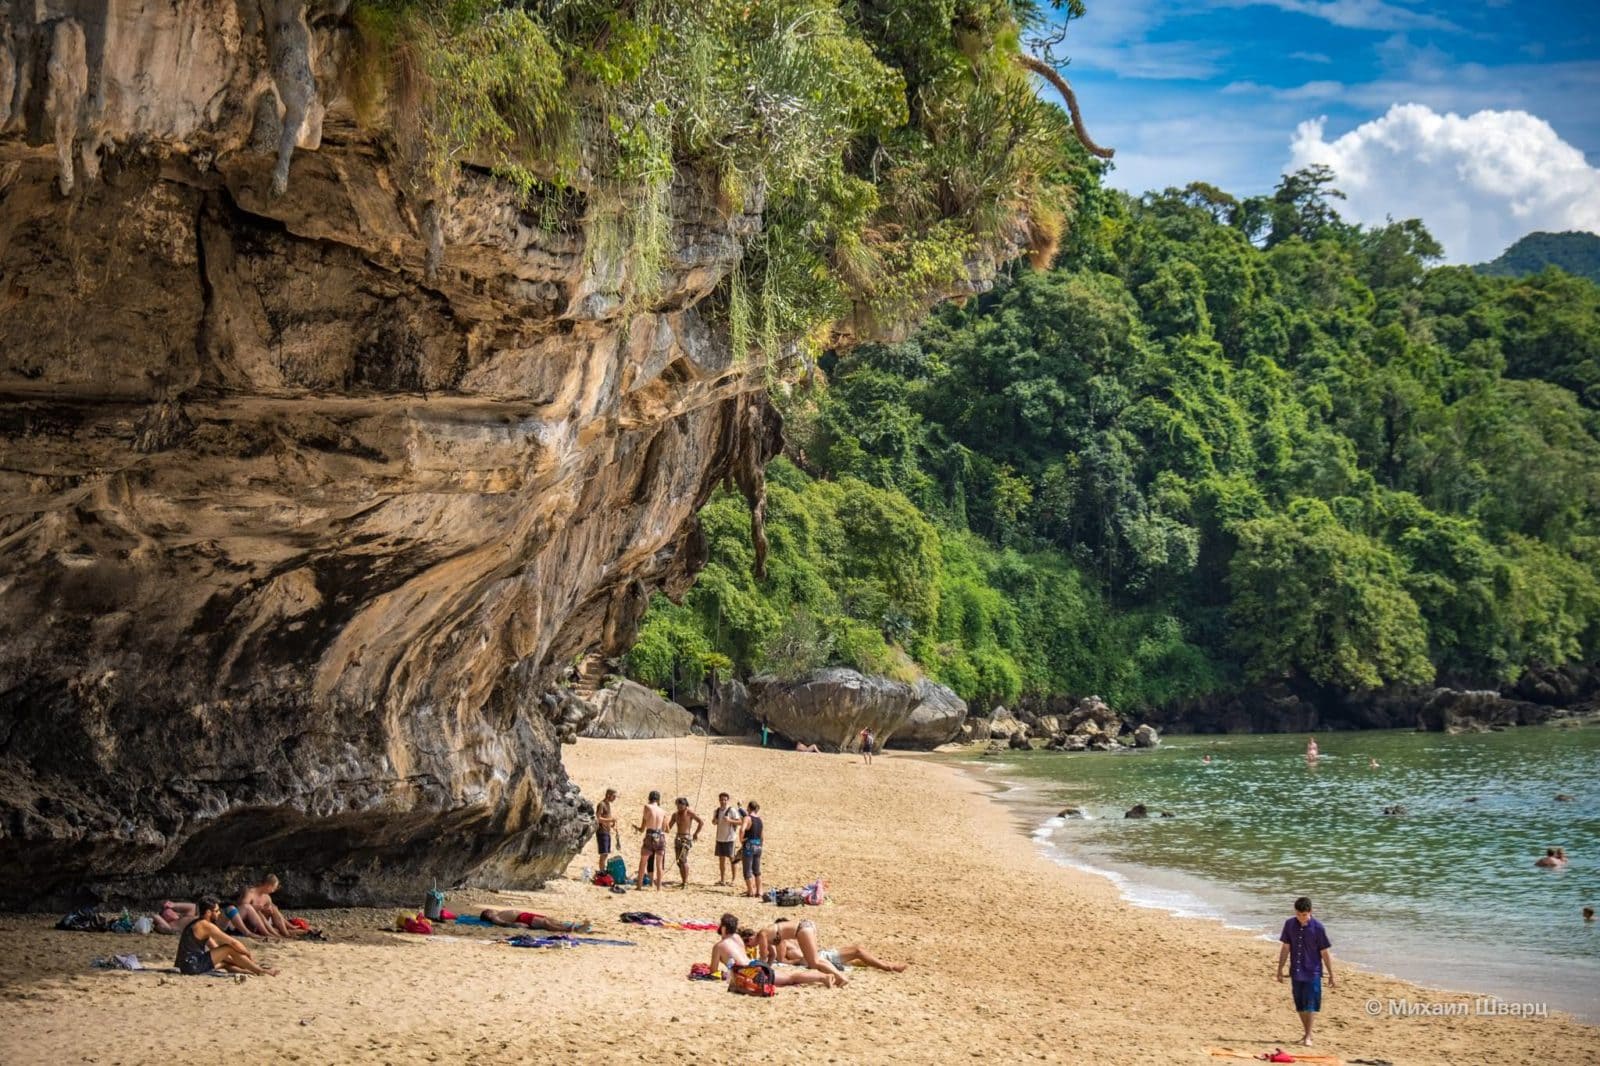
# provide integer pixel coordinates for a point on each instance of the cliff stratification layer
(299, 528)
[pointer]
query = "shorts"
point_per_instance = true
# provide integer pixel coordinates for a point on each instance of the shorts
(1307, 995)
(681, 845)
(835, 959)
(752, 858)
(724, 849)
(655, 841)
(602, 842)
(196, 962)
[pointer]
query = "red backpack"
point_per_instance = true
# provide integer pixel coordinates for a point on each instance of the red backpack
(753, 979)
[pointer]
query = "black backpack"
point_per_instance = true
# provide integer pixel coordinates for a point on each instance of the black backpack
(83, 920)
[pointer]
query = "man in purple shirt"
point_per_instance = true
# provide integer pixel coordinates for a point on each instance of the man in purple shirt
(1306, 943)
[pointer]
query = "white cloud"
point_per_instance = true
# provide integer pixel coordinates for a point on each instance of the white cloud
(1353, 14)
(1478, 182)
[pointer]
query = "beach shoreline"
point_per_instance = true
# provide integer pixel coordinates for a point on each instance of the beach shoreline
(1193, 898)
(1013, 957)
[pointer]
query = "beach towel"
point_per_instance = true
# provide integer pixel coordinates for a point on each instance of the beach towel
(562, 940)
(642, 918)
(117, 962)
(470, 919)
(1235, 1053)
(702, 971)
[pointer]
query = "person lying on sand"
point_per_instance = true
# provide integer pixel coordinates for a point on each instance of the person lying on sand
(803, 746)
(730, 952)
(203, 947)
(496, 916)
(770, 945)
(840, 957)
(173, 916)
(259, 915)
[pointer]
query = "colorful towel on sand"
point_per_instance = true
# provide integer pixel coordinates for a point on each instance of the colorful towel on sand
(1235, 1053)
(117, 962)
(470, 919)
(561, 940)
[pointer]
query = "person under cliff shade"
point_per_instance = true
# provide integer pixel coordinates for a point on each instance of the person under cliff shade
(653, 849)
(605, 823)
(203, 947)
(506, 917)
(257, 914)
(682, 819)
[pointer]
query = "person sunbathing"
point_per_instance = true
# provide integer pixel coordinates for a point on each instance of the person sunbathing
(203, 947)
(770, 941)
(496, 916)
(172, 916)
(841, 957)
(731, 951)
(255, 914)
(803, 746)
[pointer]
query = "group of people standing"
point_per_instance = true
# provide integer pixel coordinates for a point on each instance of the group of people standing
(740, 834)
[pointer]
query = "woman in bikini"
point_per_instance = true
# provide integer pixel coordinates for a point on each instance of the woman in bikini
(770, 944)
(495, 916)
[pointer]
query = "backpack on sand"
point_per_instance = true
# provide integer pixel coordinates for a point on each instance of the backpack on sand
(753, 979)
(617, 869)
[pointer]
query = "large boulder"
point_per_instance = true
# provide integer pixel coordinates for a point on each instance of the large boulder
(728, 713)
(629, 711)
(1092, 716)
(1146, 736)
(829, 707)
(936, 719)
(1003, 725)
(1457, 711)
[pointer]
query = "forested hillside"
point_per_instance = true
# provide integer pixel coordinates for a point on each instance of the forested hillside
(1575, 252)
(1221, 440)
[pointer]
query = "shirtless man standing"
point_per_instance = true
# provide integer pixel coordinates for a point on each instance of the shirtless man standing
(730, 952)
(681, 820)
(653, 852)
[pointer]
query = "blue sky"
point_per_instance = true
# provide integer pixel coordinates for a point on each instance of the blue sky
(1218, 90)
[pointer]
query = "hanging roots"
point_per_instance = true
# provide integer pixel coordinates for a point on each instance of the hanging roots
(1049, 74)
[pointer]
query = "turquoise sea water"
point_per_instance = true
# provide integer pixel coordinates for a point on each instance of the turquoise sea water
(1447, 896)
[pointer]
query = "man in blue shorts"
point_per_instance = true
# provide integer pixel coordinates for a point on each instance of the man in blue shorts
(1306, 943)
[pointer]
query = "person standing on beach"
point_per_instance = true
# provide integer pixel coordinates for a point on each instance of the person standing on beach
(683, 839)
(868, 742)
(1305, 946)
(653, 850)
(750, 849)
(605, 823)
(726, 820)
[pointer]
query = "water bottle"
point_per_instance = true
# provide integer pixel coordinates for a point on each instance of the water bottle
(588, 873)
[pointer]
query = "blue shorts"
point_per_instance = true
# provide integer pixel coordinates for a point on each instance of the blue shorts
(1307, 995)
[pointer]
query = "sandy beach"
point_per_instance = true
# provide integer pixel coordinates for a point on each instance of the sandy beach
(1012, 957)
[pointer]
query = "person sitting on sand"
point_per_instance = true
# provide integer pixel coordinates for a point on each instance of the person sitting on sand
(173, 916)
(683, 840)
(803, 746)
(530, 920)
(770, 944)
(203, 947)
(730, 952)
(840, 957)
(259, 915)
(653, 851)
(1549, 860)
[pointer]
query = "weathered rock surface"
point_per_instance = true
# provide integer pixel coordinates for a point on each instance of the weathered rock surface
(1146, 736)
(629, 711)
(728, 711)
(829, 707)
(936, 718)
(299, 532)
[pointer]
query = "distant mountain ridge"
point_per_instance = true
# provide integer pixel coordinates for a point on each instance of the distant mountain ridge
(1575, 252)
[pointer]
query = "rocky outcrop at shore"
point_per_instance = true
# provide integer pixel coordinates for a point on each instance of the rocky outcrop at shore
(829, 707)
(627, 710)
(728, 710)
(936, 718)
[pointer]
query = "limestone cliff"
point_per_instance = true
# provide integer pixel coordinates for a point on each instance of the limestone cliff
(302, 519)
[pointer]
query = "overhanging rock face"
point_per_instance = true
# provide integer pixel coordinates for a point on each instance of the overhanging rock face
(298, 529)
